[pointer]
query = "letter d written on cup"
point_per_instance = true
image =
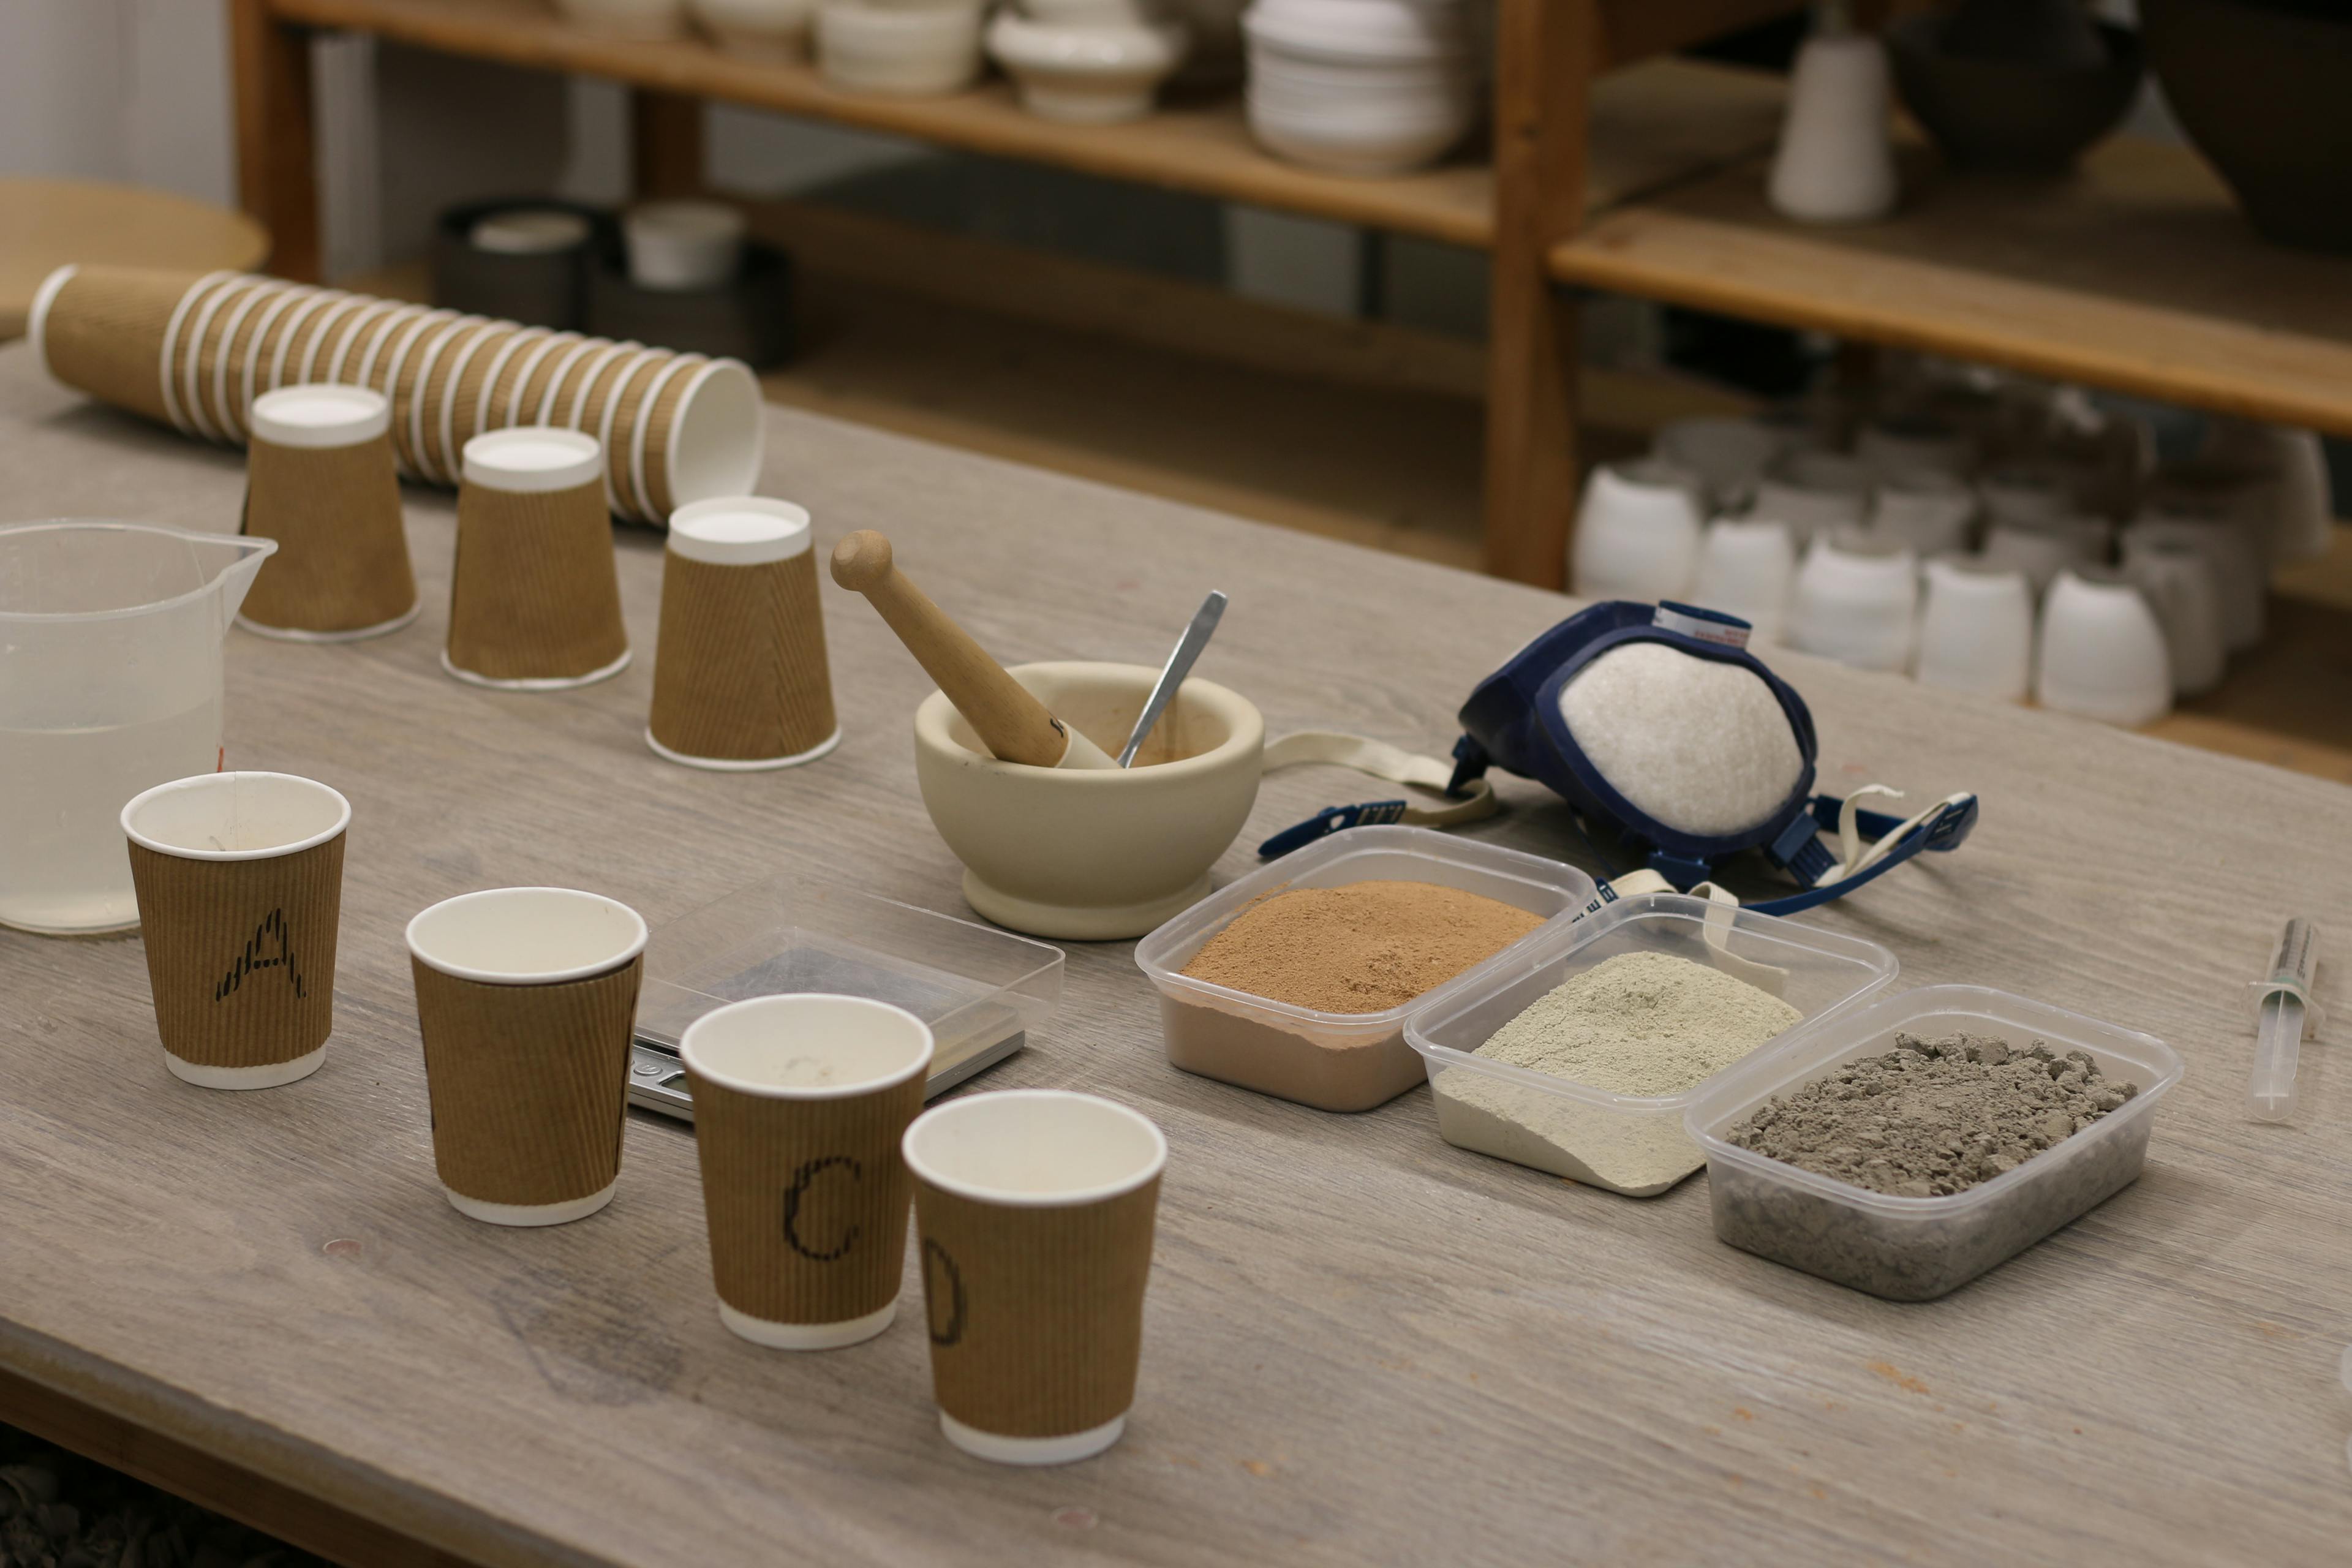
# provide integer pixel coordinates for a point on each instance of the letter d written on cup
(800, 1102)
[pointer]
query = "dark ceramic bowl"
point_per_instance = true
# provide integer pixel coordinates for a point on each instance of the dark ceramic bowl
(749, 318)
(540, 288)
(2003, 115)
(2264, 89)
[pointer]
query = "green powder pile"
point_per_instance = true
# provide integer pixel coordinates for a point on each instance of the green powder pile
(1645, 1024)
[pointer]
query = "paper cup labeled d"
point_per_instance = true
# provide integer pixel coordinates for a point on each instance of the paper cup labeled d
(1036, 1209)
(525, 998)
(799, 1105)
(239, 879)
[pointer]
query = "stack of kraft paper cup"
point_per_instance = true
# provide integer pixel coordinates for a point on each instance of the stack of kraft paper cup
(194, 351)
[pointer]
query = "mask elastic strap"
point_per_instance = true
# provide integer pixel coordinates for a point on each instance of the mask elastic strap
(1383, 761)
(1722, 907)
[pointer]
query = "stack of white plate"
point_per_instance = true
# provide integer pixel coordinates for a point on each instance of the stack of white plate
(1361, 86)
(1090, 61)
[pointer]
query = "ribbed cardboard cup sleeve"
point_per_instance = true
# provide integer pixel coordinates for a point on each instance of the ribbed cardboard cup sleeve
(343, 551)
(740, 673)
(805, 1198)
(241, 953)
(1036, 1314)
(527, 1083)
(103, 334)
(534, 594)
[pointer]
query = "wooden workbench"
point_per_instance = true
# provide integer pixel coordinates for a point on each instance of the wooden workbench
(1361, 1345)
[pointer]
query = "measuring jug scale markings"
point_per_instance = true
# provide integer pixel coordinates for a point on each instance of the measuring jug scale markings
(110, 683)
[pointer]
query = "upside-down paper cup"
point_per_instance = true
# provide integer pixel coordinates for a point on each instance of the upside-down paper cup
(525, 998)
(102, 330)
(701, 436)
(741, 681)
(320, 480)
(799, 1105)
(535, 599)
(240, 883)
(1035, 1208)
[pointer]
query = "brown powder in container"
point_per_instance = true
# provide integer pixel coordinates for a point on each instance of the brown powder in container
(1363, 948)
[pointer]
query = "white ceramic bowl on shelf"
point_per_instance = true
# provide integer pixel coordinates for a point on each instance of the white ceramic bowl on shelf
(1928, 510)
(1361, 30)
(1090, 75)
(1745, 566)
(627, 18)
(1375, 141)
(2178, 582)
(1092, 12)
(1813, 492)
(1910, 443)
(923, 51)
(2040, 553)
(2102, 654)
(1976, 629)
(758, 29)
(1730, 453)
(1637, 532)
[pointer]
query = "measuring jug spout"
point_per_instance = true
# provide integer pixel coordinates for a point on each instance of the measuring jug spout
(110, 663)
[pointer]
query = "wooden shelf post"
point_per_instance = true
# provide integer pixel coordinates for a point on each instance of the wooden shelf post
(1547, 53)
(665, 144)
(277, 135)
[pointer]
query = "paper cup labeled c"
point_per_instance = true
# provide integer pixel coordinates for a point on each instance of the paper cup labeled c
(240, 880)
(799, 1105)
(525, 998)
(1036, 1209)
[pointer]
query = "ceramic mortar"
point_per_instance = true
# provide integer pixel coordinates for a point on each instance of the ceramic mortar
(1089, 855)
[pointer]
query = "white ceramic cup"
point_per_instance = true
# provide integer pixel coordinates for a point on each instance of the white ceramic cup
(2298, 507)
(2027, 493)
(760, 29)
(2240, 581)
(2040, 553)
(2102, 653)
(1976, 630)
(909, 53)
(1856, 600)
(1926, 509)
(681, 247)
(1637, 532)
(529, 231)
(1745, 566)
(1813, 492)
(1909, 444)
(1835, 162)
(2177, 580)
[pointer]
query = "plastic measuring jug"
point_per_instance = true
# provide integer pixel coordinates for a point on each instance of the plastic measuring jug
(110, 683)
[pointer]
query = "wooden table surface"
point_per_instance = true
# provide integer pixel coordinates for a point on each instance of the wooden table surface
(1361, 1345)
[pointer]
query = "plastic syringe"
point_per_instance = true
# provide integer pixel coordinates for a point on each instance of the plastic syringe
(2282, 1004)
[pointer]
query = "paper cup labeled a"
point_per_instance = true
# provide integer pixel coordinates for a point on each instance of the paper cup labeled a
(1036, 1209)
(535, 599)
(526, 997)
(799, 1105)
(240, 884)
(741, 681)
(320, 480)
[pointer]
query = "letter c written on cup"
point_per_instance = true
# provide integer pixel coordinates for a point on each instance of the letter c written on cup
(942, 1288)
(802, 1180)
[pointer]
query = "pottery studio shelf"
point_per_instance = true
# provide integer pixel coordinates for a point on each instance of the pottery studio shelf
(2138, 274)
(1589, 114)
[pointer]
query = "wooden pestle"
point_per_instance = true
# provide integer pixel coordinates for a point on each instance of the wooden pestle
(1011, 723)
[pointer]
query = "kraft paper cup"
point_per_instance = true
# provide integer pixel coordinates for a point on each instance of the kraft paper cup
(704, 438)
(534, 600)
(799, 1105)
(200, 348)
(740, 679)
(341, 348)
(464, 394)
(176, 340)
(104, 331)
(528, 380)
(320, 480)
(584, 399)
(240, 327)
(1036, 1209)
(290, 340)
(240, 880)
(260, 341)
(397, 376)
(611, 427)
(525, 998)
(660, 399)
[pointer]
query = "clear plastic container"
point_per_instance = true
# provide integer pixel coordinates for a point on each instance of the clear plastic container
(979, 989)
(1916, 1249)
(1633, 1144)
(1334, 1061)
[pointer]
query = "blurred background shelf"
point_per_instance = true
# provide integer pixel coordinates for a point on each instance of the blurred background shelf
(2137, 275)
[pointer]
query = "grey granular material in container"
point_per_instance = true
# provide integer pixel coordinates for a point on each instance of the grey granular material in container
(1793, 1191)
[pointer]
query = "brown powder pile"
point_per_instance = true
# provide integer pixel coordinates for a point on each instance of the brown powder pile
(1363, 948)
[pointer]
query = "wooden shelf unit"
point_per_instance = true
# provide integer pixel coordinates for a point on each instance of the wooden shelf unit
(1568, 147)
(2138, 274)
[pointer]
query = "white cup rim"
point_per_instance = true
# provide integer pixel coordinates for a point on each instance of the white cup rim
(604, 966)
(215, 781)
(688, 1053)
(1000, 1197)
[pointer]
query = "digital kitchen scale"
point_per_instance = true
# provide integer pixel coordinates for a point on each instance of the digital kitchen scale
(979, 989)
